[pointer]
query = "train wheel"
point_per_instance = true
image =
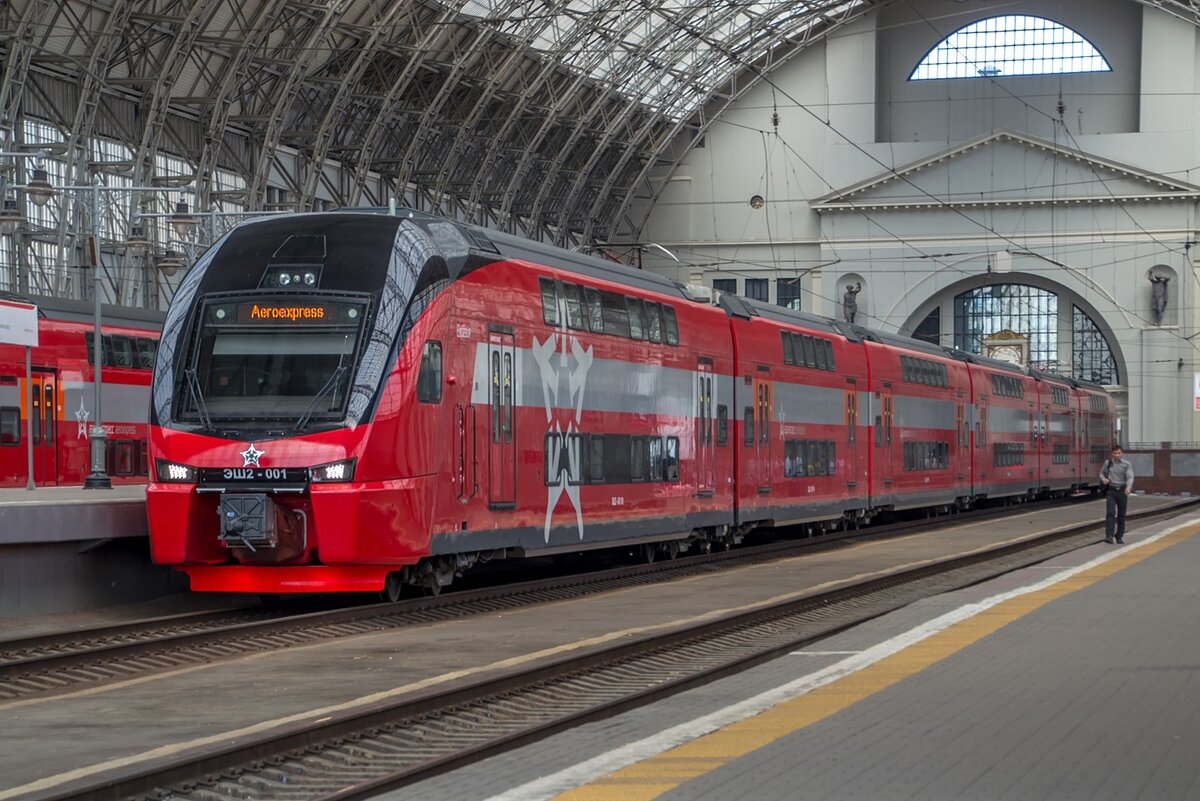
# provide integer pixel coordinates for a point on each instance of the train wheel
(393, 588)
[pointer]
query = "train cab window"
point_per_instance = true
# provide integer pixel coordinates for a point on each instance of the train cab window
(574, 297)
(146, 350)
(722, 424)
(429, 379)
(671, 460)
(830, 363)
(549, 301)
(748, 425)
(670, 325)
(616, 314)
(10, 426)
(122, 351)
(595, 311)
(819, 348)
(654, 323)
(637, 325)
(596, 459)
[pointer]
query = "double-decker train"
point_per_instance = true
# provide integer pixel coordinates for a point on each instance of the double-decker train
(359, 401)
(54, 407)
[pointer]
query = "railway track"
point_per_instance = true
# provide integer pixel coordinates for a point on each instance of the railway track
(52, 665)
(362, 753)
(55, 664)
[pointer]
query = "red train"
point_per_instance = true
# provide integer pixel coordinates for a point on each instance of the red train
(357, 401)
(63, 395)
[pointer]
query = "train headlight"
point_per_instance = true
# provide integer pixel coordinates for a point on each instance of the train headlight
(284, 279)
(310, 279)
(334, 471)
(174, 473)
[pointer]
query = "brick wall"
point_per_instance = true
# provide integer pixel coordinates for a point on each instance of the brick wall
(1166, 469)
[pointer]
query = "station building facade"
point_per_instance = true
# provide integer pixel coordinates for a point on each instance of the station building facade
(1019, 180)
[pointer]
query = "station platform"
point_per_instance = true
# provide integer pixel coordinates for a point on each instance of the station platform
(102, 730)
(1074, 679)
(65, 549)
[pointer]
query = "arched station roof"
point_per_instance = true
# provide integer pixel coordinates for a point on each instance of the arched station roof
(538, 116)
(542, 117)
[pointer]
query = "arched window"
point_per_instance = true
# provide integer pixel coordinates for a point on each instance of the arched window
(1008, 46)
(1032, 312)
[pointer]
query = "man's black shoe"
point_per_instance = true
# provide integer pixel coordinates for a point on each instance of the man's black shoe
(1109, 540)
(1120, 542)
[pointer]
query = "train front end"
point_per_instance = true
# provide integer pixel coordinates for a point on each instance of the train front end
(268, 473)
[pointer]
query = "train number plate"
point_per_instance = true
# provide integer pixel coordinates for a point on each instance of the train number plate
(253, 475)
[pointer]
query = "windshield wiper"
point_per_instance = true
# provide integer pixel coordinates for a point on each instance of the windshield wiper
(330, 384)
(198, 398)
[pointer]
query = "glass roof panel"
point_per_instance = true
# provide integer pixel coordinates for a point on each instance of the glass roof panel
(661, 55)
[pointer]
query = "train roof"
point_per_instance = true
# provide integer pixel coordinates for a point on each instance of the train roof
(79, 311)
(516, 247)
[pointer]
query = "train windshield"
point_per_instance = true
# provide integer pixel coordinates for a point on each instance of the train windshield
(273, 359)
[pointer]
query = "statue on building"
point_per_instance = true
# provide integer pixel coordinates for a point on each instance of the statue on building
(1158, 294)
(850, 301)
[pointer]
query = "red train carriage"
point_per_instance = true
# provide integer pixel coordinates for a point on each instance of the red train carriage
(348, 398)
(1097, 429)
(63, 395)
(919, 398)
(356, 401)
(799, 432)
(1056, 428)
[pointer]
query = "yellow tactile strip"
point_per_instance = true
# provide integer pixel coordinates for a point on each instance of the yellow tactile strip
(655, 776)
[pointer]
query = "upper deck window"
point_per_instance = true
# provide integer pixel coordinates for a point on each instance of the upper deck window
(1008, 46)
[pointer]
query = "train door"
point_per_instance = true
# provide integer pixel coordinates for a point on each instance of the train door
(852, 471)
(705, 453)
(762, 448)
(502, 446)
(44, 416)
(883, 439)
(962, 436)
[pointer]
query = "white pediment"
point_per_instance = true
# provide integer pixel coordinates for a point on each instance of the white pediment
(1006, 169)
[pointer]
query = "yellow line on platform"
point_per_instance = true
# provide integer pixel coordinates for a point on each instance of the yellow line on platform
(671, 769)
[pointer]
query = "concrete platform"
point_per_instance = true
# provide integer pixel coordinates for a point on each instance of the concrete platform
(1077, 679)
(96, 731)
(65, 549)
(71, 514)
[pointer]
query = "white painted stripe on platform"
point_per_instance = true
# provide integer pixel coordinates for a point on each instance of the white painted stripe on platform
(547, 787)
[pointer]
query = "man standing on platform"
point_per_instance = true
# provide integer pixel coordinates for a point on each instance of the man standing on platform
(1117, 477)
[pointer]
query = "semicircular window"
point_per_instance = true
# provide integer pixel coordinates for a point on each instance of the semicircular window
(1008, 46)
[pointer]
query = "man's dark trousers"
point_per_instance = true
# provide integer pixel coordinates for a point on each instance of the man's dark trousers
(1116, 503)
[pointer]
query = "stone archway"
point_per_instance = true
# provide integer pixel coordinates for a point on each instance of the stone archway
(1068, 301)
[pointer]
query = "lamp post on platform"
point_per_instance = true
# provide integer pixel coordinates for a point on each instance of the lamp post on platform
(40, 191)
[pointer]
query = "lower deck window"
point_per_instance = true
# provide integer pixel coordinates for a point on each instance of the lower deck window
(10, 425)
(926, 456)
(805, 458)
(609, 458)
(1008, 454)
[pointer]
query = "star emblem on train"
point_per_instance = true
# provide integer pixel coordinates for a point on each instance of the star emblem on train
(81, 421)
(562, 356)
(251, 456)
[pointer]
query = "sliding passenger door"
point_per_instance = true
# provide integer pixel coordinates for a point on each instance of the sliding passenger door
(705, 452)
(502, 445)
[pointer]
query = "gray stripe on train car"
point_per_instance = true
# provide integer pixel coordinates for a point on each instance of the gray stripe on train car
(914, 412)
(123, 403)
